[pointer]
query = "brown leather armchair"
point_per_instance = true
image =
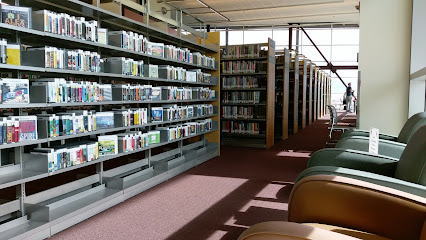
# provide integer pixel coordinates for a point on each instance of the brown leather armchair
(335, 207)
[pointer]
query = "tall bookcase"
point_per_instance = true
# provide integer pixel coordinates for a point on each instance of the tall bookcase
(303, 70)
(247, 96)
(37, 203)
(282, 76)
(294, 81)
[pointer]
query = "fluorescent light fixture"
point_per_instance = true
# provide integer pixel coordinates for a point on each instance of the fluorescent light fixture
(218, 13)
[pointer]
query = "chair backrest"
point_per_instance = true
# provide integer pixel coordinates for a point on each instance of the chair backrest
(333, 114)
(411, 126)
(412, 164)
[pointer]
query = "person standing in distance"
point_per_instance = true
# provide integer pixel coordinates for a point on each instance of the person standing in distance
(349, 97)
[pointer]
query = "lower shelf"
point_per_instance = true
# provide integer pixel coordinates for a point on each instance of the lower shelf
(52, 211)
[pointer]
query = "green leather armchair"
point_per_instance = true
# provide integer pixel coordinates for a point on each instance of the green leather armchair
(392, 146)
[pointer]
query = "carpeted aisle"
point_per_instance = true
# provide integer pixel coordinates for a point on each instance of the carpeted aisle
(216, 200)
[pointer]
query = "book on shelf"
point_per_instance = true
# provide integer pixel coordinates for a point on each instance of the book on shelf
(157, 49)
(131, 141)
(243, 82)
(244, 51)
(14, 90)
(238, 112)
(13, 52)
(104, 120)
(240, 127)
(48, 125)
(108, 145)
(18, 129)
(244, 66)
(150, 70)
(156, 94)
(156, 114)
(3, 51)
(241, 97)
(153, 137)
(103, 36)
(16, 16)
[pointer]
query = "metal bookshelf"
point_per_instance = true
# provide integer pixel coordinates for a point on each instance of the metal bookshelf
(38, 213)
(265, 138)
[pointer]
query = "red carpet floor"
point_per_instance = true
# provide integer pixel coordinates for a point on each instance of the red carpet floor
(216, 200)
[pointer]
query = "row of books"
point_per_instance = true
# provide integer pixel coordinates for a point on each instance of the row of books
(65, 25)
(241, 97)
(240, 127)
(244, 51)
(61, 91)
(126, 66)
(238, 112)
(60, 58)
(136, 92)
(173, 112)
(242, 82)
(232, 67)
(64, 156)
(185, 130)
(137, 42)
(77, 27)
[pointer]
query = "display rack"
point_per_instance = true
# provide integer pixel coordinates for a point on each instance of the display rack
(36, 203)
(263, 109)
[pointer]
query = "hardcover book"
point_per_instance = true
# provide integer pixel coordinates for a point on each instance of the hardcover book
(27, 128)
(156, 114)
(108, 145)
(16, 16)
(153, 137)
(15, 90)
(13, 52)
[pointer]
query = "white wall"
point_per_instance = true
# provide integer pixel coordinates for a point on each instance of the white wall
(418, 59)
(385, 40)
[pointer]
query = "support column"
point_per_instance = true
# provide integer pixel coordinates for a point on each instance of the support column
(385, 41)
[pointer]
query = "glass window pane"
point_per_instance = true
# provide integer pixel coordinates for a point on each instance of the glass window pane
(348, 73)
(312, 53)
(319, 36)
(345, 63)
(344, 53)
(222, 38)
(346, 36)
(257, 36)
(235, 37)
(280, 37)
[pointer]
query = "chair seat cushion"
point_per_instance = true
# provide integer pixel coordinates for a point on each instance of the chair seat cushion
(347, 231)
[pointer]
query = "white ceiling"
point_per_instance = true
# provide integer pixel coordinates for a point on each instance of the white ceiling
(271, 12)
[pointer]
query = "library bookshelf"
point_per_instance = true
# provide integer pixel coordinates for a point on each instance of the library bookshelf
(36, 202)
(302, 93)
(248, 95)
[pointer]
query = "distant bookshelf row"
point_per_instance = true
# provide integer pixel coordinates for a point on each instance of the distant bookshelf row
(246, 96)
(78, 28)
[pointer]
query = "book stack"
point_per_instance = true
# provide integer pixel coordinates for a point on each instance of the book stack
(176, 53)
(71, 59)
(128, 40)
(203, 60)
(174, 132)
(130, 117)
(18, 129)
(202, 110)
(237, 112)
(240, 127)
(242, 82)
(176, 93)
(241, 97)
(77, 121)
(14, 91)
(70, 155)
(61, 91)
(65, 25)
(128, 92)
(172, 73)
(246, 51)
(235, 67)
(131, 141)
(124, 66)
(196, 75)
(48, 125)
(203, 93)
